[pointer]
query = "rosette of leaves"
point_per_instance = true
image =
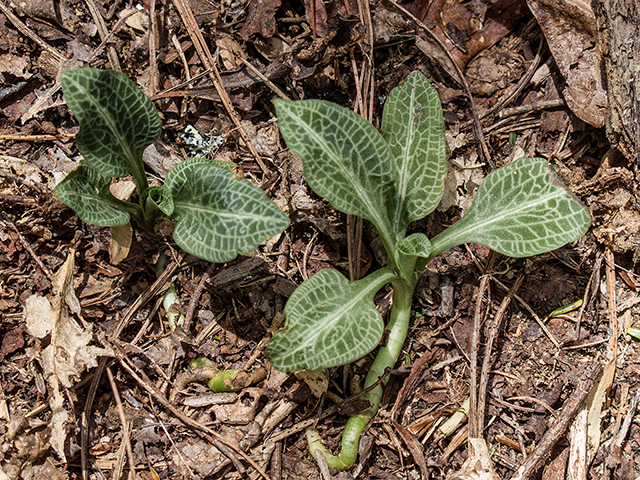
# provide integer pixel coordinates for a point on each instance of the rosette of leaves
(218, 216)
(393, 177)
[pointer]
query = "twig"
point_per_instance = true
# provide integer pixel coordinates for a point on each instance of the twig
(533, 314)
(153, 31)
(586, 299)
(477, 126)
(110, 35)
(147, 295)
(86, 414)
(535, 107)
(123, 421)
(112, 55)
(195, 298)
(28, 248)
(611, 302)
(17, 137)
(559, 427)
(276, 462)
(268, 82)
(633, 406)
(486, 362)
(474, 414)
(522, 83)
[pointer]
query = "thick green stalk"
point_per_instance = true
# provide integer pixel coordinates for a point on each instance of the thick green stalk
(398, 327)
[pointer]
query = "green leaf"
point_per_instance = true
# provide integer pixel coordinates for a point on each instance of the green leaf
(413, 126)
(345, 158)
(218, 216)
(117, 121)
(162, 199)
(520, 210)
(330, 321)
(415, 245)
(86, 191)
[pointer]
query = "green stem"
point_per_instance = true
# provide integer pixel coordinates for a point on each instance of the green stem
(387, 356)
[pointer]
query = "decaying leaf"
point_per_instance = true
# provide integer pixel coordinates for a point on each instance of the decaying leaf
(69, 353)
(120, 244)
(467, 28)
(595, 402)
(318, 382)
(464, 177)
(570, 29)
(479, 465)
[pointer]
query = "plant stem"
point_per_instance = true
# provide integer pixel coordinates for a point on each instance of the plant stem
(398, 327)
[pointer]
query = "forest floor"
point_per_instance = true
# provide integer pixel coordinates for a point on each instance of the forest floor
(137, 404)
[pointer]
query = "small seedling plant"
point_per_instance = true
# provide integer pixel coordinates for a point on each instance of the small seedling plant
(218, 216)
(392, 178)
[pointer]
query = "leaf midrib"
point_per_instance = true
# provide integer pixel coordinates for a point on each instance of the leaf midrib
(109, 119)
(510, 213)
(405, 159)
(221, 213)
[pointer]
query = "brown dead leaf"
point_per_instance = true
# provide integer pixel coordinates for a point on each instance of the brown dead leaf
(69, 353)
(595, 401)
(466, 31)
(316, 14)
(318, 382)
(16, 65)
(120, 243)
(230, 51)
(479, 465)
(261, 18)
(242, 411)
(570, 29)
(463, 179)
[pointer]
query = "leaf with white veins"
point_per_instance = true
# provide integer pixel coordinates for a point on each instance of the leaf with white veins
(219, 217)
(345, 158)
(520, 210)
(117, 121)
(86, 191)
(330, 321)
(413, 126)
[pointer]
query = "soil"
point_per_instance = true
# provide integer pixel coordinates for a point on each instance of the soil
(124, 396)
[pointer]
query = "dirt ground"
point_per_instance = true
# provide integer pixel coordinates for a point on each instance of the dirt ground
(127, 398)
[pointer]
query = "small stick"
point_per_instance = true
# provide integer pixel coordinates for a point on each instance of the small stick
(611, 302)
(28, 248)
(535, 107)
(147, 295)
(112, 55)
(37, 138)
(276, 462)
(207, 61)
(195, 298)
(86, 414)
(486, 362)
(109, 36)
(474, 414)
(559, 427)
(123, 421)
(153, 65)
(268, 82)
(533, 314)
